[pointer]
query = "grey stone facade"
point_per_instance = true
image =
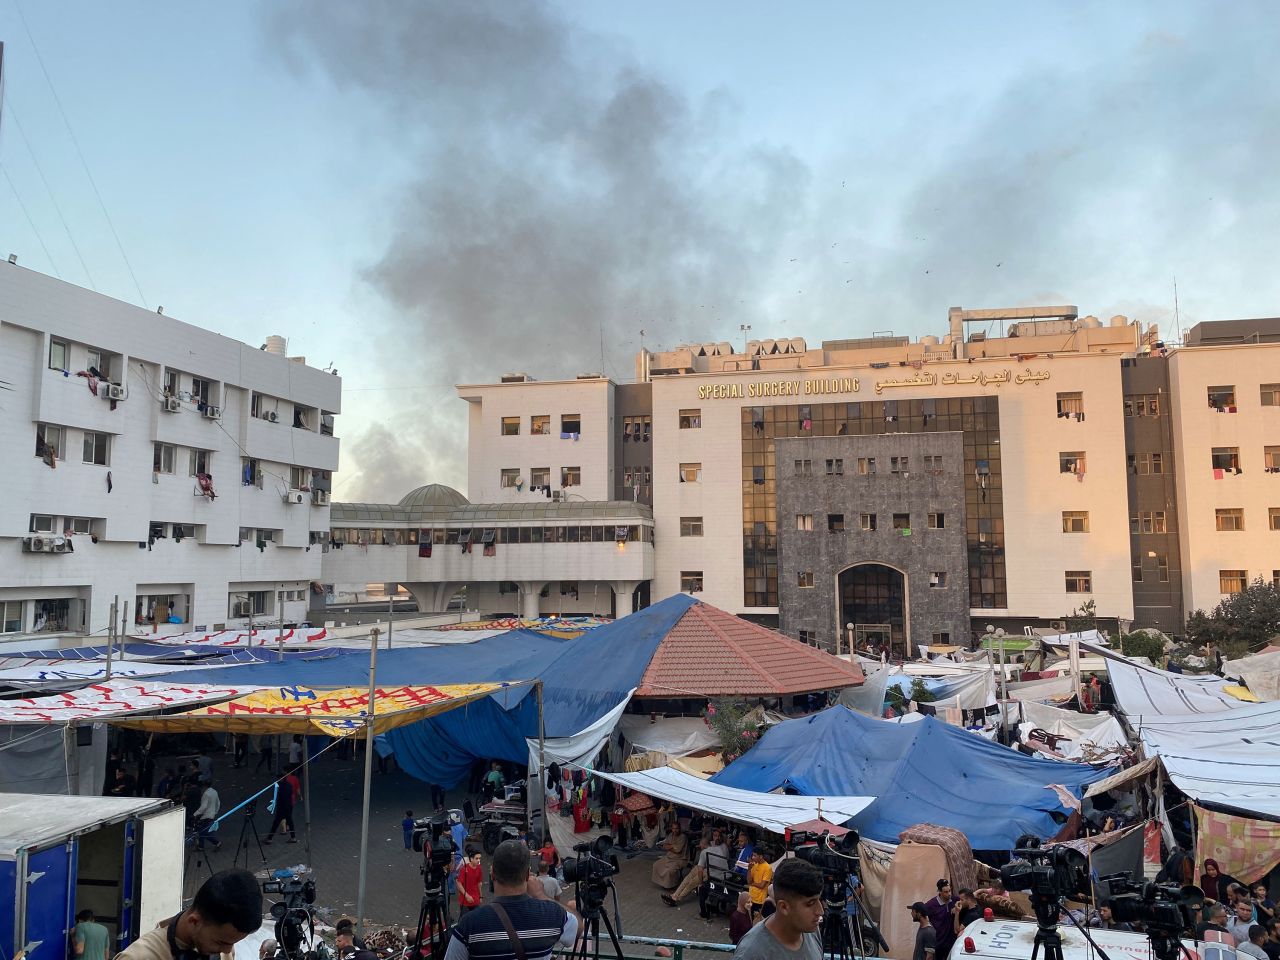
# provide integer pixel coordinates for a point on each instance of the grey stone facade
(834, 484)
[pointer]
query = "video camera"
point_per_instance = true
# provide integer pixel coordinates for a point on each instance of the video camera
(835, 856)
(1168, 906)
(1047, 874)
(431, 838)
(290, 914)
(590, 873)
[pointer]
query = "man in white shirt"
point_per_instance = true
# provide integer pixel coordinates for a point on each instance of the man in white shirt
(1239, 924)
(206, 813)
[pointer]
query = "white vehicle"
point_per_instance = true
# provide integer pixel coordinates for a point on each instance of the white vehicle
(1015, 939)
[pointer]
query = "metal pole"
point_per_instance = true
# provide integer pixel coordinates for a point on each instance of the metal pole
(124, 627)
(111, 633)
(368, 779)
(542, 764)
(1004, 697)
(280, 635)
(306, 793)
(391, 612)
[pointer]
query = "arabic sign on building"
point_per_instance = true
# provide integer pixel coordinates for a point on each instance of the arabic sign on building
(834, 385)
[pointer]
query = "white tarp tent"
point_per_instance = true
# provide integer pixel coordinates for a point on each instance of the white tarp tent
(1050, 688)
(113, 699)
(771, 811)
(1099, 730)
(1260, 671)
(674, 736)
(1228, 759)
(1144, 691)
(76, 672)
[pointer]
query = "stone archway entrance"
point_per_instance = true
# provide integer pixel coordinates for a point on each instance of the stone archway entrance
(873, 597)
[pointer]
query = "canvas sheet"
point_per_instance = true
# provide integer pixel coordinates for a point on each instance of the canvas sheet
(113, 699)
(307, 710)
(1051, 688)
(674, 736)
(971, 690)
(1260, 671)
(771, 811)
(868, 699)
(1145, 690)
(75, 672)
(239, 638)
(1101, 731)
(1245, 849)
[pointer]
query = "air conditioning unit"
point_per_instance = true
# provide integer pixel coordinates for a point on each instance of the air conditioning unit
(295, 496)
(240, 609)
(212, 413)
(60, 545)
(1059, 625)
(116, 392)
(172, 404)
(557, 496)
(35, 544)
(320, 497)
(273, 416)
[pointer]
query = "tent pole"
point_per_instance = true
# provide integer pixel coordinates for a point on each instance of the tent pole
(542, 766)
(306, 794)
(111, 633)
(368, 779)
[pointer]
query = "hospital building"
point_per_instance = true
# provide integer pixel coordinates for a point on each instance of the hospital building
(1024, 462)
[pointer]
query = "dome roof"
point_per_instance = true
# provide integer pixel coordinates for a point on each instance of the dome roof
(433, 495)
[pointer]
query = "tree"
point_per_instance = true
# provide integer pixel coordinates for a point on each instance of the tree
(1084, 617)
(1143, 643)
(1243, 621)
(735, 724)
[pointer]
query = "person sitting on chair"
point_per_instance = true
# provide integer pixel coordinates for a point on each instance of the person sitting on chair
(667, 870)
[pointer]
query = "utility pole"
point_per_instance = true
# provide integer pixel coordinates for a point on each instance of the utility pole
(111, 632)
(280, 635)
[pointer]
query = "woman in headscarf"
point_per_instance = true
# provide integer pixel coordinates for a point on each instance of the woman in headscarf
(1214, 882)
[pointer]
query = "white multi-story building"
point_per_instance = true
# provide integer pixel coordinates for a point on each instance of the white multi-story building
(1086, 462)
(180, 472)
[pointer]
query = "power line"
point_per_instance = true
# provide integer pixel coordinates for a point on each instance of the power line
(34, 230)
(80, 153)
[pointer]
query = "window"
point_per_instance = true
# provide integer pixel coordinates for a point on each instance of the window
(1157, 463)
(540, 477)
(570, 476)
(835, 523)
(1270, 394)
(256, 405)
(690, 581)
(246, 534)
(570, 423)
(1226, 458)
(58, 355)
(690, 419)
(1275, 579)
(1232, 581)
(199, 390)
(690, 526)
(1223, 399)
(1071, 462)
(899, 465)
(902, 521)
(1070, 404)
(757, 475)
(690, 473)
(540, 423)
(267, 535)
(95, 448)
(867, 521)
(1142, 405)
(1273, 518)
(807, 636)
(941, 637)
(250, 472)
(804, 468)
(49, 441)
(835, 468)
(298, 479)
(804, 579)
(1136, 569)
(1079, 581)
(938, 580)
(866, 466)
(510, 477)
(199, 461)
(1229, 519)
(1148, 522)
(933, 464)
(183, 530)
(93, 359)
(937, 521)
(80, 525)
(1162, 568)
(162, 458)
(41, 523)
(170, 383)
(1271, 459)
(10, 616)
(510, 426)
(804, 521)
(1075, 521)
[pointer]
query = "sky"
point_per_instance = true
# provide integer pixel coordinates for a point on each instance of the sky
(425, 194)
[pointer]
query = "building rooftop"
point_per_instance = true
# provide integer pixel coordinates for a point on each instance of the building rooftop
(1221, 333)
(438, 504)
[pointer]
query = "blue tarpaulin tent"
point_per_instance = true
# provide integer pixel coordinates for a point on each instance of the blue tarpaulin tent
(926, 772)
(582, 679)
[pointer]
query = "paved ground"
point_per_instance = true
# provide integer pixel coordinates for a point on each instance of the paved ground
(394, 886)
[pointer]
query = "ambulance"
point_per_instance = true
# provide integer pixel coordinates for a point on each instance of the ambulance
(1000, 939)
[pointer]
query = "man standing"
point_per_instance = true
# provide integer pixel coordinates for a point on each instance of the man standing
(514, 925)
(266, 749)
(206, 813)
(284, 812)
(295, 750)
(226, 910)
(940, 914)
(791, 932)
(1254, 945)
(1239, 925)
(91, 939)
(743, 862)
(758, 879)
(470, 877)
(966, 910)
(1216, 921)
(926, 936)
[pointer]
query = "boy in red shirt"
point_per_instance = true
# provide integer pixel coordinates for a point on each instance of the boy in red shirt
(470, 877)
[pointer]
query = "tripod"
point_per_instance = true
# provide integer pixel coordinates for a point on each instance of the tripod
(433, 917)
(591, 904)
(249, 826)
(837, 935)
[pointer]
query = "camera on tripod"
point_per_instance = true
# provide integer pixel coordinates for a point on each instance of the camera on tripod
(836, 857)
(431, 839)
(291, 913)
(1047, 874)
(1168, 906)
(592, 865)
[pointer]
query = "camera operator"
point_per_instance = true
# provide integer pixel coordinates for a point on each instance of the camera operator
(227, 908)
(791, 932)
(514, 926)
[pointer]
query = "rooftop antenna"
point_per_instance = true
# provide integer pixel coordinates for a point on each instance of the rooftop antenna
(1177, 318)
